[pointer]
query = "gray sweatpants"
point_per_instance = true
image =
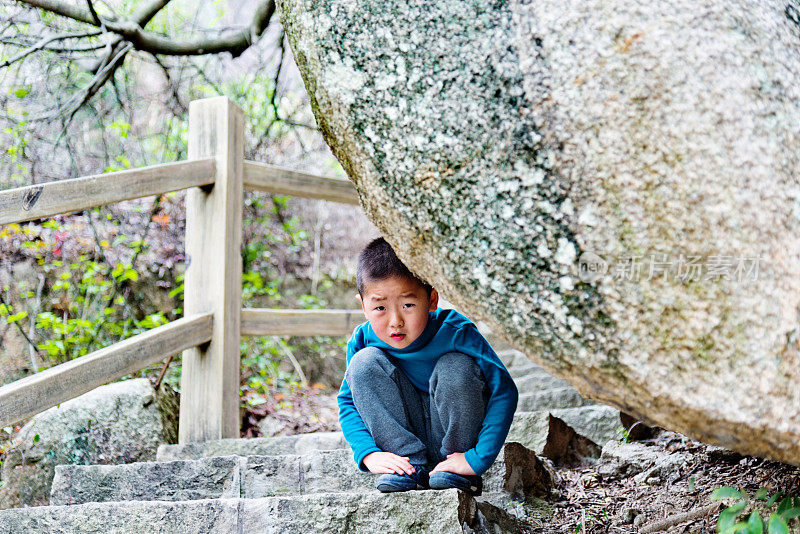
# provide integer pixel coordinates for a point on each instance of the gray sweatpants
(400, 417)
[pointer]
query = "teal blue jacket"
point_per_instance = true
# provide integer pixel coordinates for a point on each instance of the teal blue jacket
(446, 331)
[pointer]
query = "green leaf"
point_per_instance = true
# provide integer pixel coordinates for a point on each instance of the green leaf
(728, 516)
(21, 92)
(176, 291)
(777, 525)
(754, 524)
(774, 498)
(725, 522)
(790, 513)
(17, 317)
(131, 275)
(82, 323)
(762, 494)
(118, 270)
(152, 321)
(738, 527)
(36, 438)
(727, 492)
(785, 504)
(50, 347)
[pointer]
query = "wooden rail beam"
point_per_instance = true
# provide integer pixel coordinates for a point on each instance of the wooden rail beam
(279, 180)
(269, 322)
(45, 200)
(33, 394)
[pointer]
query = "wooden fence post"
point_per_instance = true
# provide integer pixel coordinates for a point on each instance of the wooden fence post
(209, 407)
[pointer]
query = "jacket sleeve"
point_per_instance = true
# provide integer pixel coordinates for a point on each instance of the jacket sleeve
(353, 427)
(502, 401)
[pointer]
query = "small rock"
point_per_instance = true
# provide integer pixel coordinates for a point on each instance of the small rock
(526, 475)
(626, 515)
(565, 447)
(108, 425)
(628, 459)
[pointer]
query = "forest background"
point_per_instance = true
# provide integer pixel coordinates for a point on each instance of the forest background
(105, 86)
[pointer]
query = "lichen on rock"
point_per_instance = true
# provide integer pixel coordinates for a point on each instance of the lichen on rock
(497, 144)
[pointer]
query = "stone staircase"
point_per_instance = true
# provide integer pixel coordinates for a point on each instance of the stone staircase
(310, 483)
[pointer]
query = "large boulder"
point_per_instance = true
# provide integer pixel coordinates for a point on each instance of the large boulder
(117, 423)
(611, 185)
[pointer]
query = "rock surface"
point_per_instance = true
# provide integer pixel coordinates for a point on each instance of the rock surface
(418, 511)
(117, 423)
(642, 463)
(517, 472)
(277, 445)
(614, 187)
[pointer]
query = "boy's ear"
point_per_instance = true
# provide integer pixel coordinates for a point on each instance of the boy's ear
(361, 301)
(434, 300)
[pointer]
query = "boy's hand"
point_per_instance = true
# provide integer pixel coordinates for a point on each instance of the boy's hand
(455, 463)
(380, 462)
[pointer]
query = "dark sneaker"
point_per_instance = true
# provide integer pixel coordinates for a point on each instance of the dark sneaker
(472, 484)
(394, 482)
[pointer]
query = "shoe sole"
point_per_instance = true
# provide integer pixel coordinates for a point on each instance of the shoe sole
(472, 490)
(384, 488)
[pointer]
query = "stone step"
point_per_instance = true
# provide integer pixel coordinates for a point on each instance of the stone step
(524, 369)
(597, 422)
(527, 369)
(534, 382)
(513, 358)
(300, 443)
(552, 398)
(497, 343)
(520, 367)
(272, 446)
(248, 477)
(444, 511)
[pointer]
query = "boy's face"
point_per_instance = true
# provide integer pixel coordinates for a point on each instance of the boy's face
(397, 309)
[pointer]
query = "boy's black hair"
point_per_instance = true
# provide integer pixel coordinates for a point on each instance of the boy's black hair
(378, 262)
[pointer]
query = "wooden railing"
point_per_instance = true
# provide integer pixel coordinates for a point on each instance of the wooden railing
(215, 175)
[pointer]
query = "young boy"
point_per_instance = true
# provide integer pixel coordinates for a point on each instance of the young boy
(425, 401)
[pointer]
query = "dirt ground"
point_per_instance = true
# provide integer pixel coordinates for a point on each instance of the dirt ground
(587, 501)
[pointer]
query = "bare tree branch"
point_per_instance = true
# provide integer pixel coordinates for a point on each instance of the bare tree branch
(129, 34)
(64, 49)
(95, 17)
(133, 30)
(19, 326)
(43, 43)
(173, 87)
(60, 8)
(146, 13)
(76, 101)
